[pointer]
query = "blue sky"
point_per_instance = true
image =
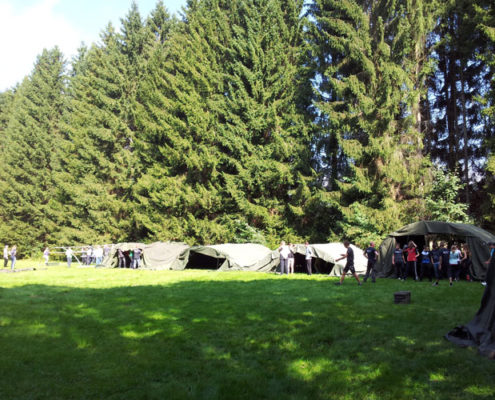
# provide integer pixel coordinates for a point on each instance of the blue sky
(28, 26)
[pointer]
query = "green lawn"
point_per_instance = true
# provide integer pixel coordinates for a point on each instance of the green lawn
(123, 334)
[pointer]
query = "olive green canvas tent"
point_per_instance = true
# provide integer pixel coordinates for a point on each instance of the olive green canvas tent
(324, 256)
(480, 331)
(158, 255)
(475, 237)
(230, 256)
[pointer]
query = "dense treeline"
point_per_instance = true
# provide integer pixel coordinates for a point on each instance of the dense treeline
(255, 120)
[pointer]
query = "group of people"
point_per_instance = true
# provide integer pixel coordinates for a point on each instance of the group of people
(287, 258)
(453, 263)
(9, 253)
(134, 257)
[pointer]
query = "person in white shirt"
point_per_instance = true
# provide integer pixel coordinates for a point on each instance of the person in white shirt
(46, 255)
(284, 257)
(309, 258)
(68, 254)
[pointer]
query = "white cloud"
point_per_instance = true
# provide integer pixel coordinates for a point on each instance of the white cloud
(25, 33)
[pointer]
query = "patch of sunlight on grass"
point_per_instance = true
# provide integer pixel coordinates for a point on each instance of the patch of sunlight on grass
(437, 377)
(129, 334)
(254, 317)
(310, 370)
(405, 340)
(156, 316)
(216, 354)
(198, 320)
(480, 390)
(82, 343)
(289, 345)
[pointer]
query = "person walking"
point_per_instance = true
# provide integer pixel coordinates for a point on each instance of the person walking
(46, 255)
(68, 255)
(349, 266)
(412, 255)
(371, 254)
(6, 256)
(13, 256)
(309, 258)
(284, 256)
(398, 262)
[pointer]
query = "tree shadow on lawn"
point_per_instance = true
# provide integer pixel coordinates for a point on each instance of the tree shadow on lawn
(290, 339)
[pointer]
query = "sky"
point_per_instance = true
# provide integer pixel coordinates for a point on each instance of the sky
(29, 26)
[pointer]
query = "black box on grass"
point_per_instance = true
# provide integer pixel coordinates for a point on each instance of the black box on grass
(403, 297)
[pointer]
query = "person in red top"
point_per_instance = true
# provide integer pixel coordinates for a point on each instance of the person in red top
(412, 255)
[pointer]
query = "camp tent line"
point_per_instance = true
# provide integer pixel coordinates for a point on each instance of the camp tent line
(475, 237)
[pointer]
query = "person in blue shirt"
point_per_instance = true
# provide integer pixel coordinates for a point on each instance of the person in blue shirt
(371, 254)
(398, 262)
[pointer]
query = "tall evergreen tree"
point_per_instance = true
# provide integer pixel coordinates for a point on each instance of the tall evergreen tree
(30, 143)
(368, 63)
(225, 124)
(97, 184)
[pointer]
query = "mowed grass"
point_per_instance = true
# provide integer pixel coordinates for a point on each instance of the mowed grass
(85, 333)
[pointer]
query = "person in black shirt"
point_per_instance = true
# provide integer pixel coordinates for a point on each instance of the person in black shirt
(398, 262)
(371, 254)
(349, 266)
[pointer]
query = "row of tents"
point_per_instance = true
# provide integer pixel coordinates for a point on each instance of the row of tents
(256, 257)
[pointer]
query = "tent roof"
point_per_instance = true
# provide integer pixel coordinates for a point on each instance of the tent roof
(438, 227)
(238, 256)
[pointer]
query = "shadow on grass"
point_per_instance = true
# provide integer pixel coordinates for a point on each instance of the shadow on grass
(287, 339)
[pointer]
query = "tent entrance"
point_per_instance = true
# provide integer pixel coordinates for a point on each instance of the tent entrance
(202, 261)
(318, 266)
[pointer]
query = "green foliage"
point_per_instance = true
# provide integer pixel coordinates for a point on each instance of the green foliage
(224, 124)
(28, 160)
(368, 92)
(442, 200)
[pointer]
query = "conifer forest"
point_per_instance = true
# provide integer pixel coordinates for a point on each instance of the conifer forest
(255, 121)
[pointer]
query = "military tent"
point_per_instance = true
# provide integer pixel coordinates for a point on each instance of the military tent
(480, 331)
(476, 238)
(158, 255)
(230, 256)
(325, 255)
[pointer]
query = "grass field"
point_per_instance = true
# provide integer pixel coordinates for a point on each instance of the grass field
(124, 334)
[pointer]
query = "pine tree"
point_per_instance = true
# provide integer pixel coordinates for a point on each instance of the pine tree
(30, 145)
(97, 183)
(369, 73)
(225, 124)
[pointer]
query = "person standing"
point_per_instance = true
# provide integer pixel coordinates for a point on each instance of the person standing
(13, 256)
(349, 266)
(371, 254)
(46, 255)
(426, 264)
(398, 262)
(309, 258)
(135, 258)
(6, 256)
(284, 256)
(412, 255)
(89, 255)
(454, 264)
(121, 257)
(436, 257)
(291, 258)
(466, 262)
(68, 255)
